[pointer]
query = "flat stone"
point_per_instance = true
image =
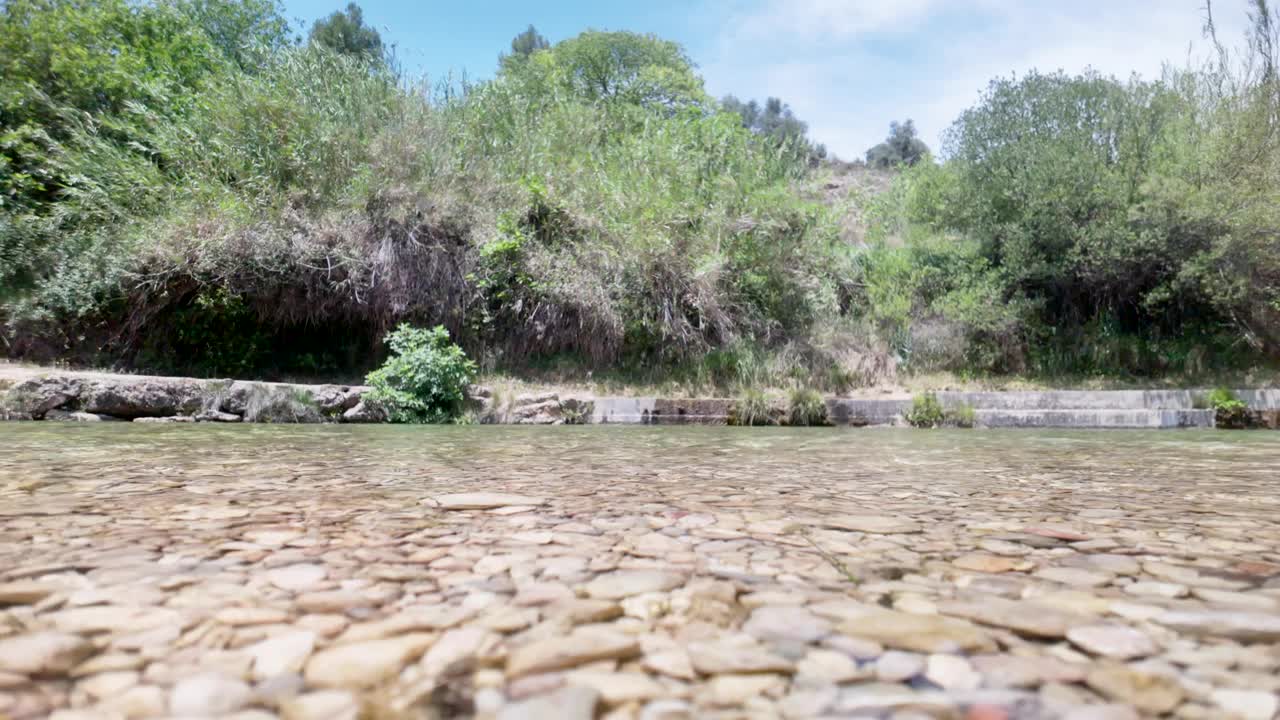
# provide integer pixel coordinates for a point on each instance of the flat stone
(831, 666)
(1157, 589)
(281, 654)
(1024, 617)
(322, 705)
(672, 662)
(251, 616)
(570, 703)
(455, 647)
(108, 684)
(25, 592)
(365, 664)
(43, 653)
(114, 618)
(208, 694)
(735, 690)
(979, 562)
(919, 633)
(874, 524)
(1146, 691)
(141, 701)
(1119, 642)
(578, 648)
(1010, 671)
(618, 687)
(1076, 577)
(1243, 626)
(713, 658)
(897, 666)
(624, 583)
(329, 601)
(484, 500)
(296, 578)
(951, 672)
(786, 623)
(1246, 704)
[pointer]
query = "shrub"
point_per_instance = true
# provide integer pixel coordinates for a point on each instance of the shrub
(751, 408)
(425, 380)
(1229, 411)
(962, 415)
(806, 407)
(926, 411)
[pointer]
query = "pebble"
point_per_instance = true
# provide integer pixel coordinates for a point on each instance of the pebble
(208, 694)
(1148, 692)
(625, 583)
(43, 653)
(570, 703)
(897, 666)
(951, 672)
(1246, 704)
(281, 654)
(786, 623)
(365, 664)
(874, 524)
(322, 705)
(1119, 642)
(714, 658)
(296, 578)
(484, 501)
(558, 653)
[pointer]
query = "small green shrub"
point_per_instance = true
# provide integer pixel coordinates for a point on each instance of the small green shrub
(1229, 411)
(962, 415)
(425, 379)
(751, 408)
(841, 379)
(926, 411)
(806, 407)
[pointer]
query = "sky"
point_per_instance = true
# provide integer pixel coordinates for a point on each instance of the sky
(846, 67)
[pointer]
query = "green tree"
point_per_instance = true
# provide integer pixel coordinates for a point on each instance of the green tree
(524, 45)
(902, 147)
(345, 32)
(776, 121)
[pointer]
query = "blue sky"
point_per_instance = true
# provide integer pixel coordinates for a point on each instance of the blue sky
(847, 67)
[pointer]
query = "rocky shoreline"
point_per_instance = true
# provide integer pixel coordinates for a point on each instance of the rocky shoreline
(100, 397)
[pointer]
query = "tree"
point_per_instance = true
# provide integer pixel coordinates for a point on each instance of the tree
(777, 122)
(345, 32)
(612, 67)
(524, 45)
(902, 147)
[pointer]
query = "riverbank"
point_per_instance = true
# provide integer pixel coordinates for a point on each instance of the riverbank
(28, 393)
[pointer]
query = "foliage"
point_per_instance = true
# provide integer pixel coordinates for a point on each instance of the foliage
(926, 411)
(776, 121)
(1229, 410)
(751, 408)
(902, 147)
(524, 45)
(425, 380)
(344, 32)
(961, 415)
(806, 407)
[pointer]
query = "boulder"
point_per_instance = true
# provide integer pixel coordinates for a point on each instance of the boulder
(144, 397)
(37, 396)
(365, 412)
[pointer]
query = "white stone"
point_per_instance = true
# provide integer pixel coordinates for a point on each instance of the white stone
(284, 653)
(208, 694)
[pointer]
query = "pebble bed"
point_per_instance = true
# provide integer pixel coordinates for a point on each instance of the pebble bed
(653, 574)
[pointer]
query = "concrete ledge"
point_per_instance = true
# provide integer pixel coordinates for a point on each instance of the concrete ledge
(1091, 418)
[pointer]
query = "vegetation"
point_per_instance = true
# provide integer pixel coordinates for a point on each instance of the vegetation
(187, 186)
(1229, 411)
(926, 411)
(962, 415)
(806, 407)
(425, 380)
(751, 407)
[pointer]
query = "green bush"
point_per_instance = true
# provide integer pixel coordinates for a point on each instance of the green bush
(806, 407)
(962, 416)
(751, 408)
(1229, 410)
(926, 411)
(425, 380)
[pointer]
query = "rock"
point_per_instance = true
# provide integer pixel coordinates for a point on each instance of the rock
(281, 654)
(618, 687)
(734, 690)
(1119, 642)
(135, 397)
(578, 648)
(1024, 617)
(875, 524)
(414, 619)
(322, 705)
(237, 616)
(951, 672)
(365, 664)
(365, 412)
(1009, 671)
(570, 703)
(788, 623)
(43, 653)
(921, 633)
(1076, 577)
(1246, 704)
(718, 657)
(978, 562)
(1157, 589)
(1145, 691)
(454, 648)
(830, 666)
(208, 694)
(1101, 712)
(108, 684)
(1243, 626)
(217, 416)
(77, 416)
(331, 601)
(142, 701)
(484, 501)
(37, 396)
(25, 592)
(166, 419)
(624, 583)
(897, 666)
(296, 578)
(672, 662)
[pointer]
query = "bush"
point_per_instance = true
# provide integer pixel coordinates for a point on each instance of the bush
(806, 407)
(962, 416)
(426, 378)
(1229, 411)
(751, 408)
(926, 411)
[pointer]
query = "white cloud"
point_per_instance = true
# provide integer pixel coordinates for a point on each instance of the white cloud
(849, 67)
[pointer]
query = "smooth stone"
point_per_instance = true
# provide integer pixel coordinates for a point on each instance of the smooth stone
(978, 562)
(1157, 589)
(569, 703)
(830, 666)
(717, 657)
(25, 592)
(208, 694)
(624, 583)
(454, 647)
(250, 616)
(919, 633)
(1246, 704)
(786, 623)
(141, 701)
(1146, 691)
(873, 524)
(580, 647)
(365, 664)
(673, 662)
(43, 653)
(280, 654)
(483, 500)
(1010, 671)
(952, 672)
(897, 666)
(734, 690)
(1077, 577)
(296, 578)
(108, 684)
(618, 687)
(1243, 626)
(1025, 617)
(1119, 642)
(322, 705)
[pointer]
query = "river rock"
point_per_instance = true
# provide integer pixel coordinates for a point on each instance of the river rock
(484, 501)
(897, 666)
(1024, 617)
(1243, 626)
(1147, 691)
(136, 397)
(37, 396)
(281, 654)
(1246, 704)
(322, 705)
(365, 412)
(1119, 642)
(208, 694)
(951, 672)
(43, 653)
(297, 578)
(920, 633)
(717, 657)
(365, 664)
(570, 703)
(874, 524)
(624, 583)
(558, 653)
(786, 623)
(25, 592)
